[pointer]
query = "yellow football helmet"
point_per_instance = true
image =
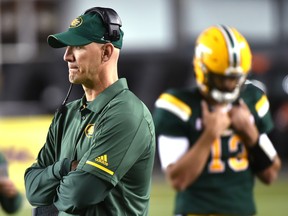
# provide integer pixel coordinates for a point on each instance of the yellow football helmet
(223, 51)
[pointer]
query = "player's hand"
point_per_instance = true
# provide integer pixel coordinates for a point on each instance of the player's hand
(7, 187)
(215, 122)
(242, 122)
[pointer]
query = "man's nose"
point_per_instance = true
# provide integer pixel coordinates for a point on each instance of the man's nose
(229, 84)
(68, 55)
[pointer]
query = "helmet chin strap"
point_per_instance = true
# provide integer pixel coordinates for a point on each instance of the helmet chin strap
(225, 97)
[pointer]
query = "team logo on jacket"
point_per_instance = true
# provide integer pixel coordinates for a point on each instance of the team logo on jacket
(89, 130)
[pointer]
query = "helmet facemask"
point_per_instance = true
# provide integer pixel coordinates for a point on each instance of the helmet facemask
(221, 95)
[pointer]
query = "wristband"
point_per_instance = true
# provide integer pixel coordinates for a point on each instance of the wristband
(262, 154)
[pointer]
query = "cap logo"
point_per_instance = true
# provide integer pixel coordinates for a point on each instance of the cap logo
(76, 22)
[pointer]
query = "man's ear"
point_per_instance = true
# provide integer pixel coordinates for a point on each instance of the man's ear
(107, 51)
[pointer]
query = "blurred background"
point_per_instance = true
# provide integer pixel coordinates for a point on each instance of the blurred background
(157, 54)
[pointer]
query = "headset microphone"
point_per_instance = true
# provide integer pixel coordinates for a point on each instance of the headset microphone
(62, 107)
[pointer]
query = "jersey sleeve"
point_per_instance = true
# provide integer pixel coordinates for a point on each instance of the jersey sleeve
(171, 115)
(82, 195)
(259, 105)
(44, 175)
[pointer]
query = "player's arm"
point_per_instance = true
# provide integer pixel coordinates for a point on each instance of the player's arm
(265, 160)
(263, 156)
(188, 167)
(270, 174)
(10, 198)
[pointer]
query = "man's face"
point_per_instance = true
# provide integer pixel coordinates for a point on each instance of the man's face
(83, 63)
(224, 83)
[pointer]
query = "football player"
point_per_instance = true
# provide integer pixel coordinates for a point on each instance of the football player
(213, 139)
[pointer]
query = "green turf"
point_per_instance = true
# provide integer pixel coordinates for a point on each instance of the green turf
(271, 200)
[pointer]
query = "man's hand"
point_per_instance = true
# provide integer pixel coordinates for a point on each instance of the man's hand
(7, 187)
(217, 121)
(74, 165)
(242, 122)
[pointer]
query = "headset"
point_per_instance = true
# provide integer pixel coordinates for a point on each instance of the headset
(111, 21)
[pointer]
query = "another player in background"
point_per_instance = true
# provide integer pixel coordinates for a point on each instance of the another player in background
(99, 152)
(10, 197)
(213, 139)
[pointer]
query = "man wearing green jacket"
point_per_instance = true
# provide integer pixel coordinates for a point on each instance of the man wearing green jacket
(99, 152)
(10, 197)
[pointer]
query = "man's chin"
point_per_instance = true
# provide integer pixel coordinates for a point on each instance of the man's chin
(73, 80)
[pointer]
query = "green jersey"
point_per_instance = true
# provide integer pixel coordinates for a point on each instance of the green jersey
(13, 204)
(113, 139)
(225, 186)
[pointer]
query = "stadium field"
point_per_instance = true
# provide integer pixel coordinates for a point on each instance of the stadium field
(271, 200)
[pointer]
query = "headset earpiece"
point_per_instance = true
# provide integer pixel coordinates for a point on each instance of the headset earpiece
(111, 20)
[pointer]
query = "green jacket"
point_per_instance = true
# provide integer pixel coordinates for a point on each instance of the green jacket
(113, 139)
